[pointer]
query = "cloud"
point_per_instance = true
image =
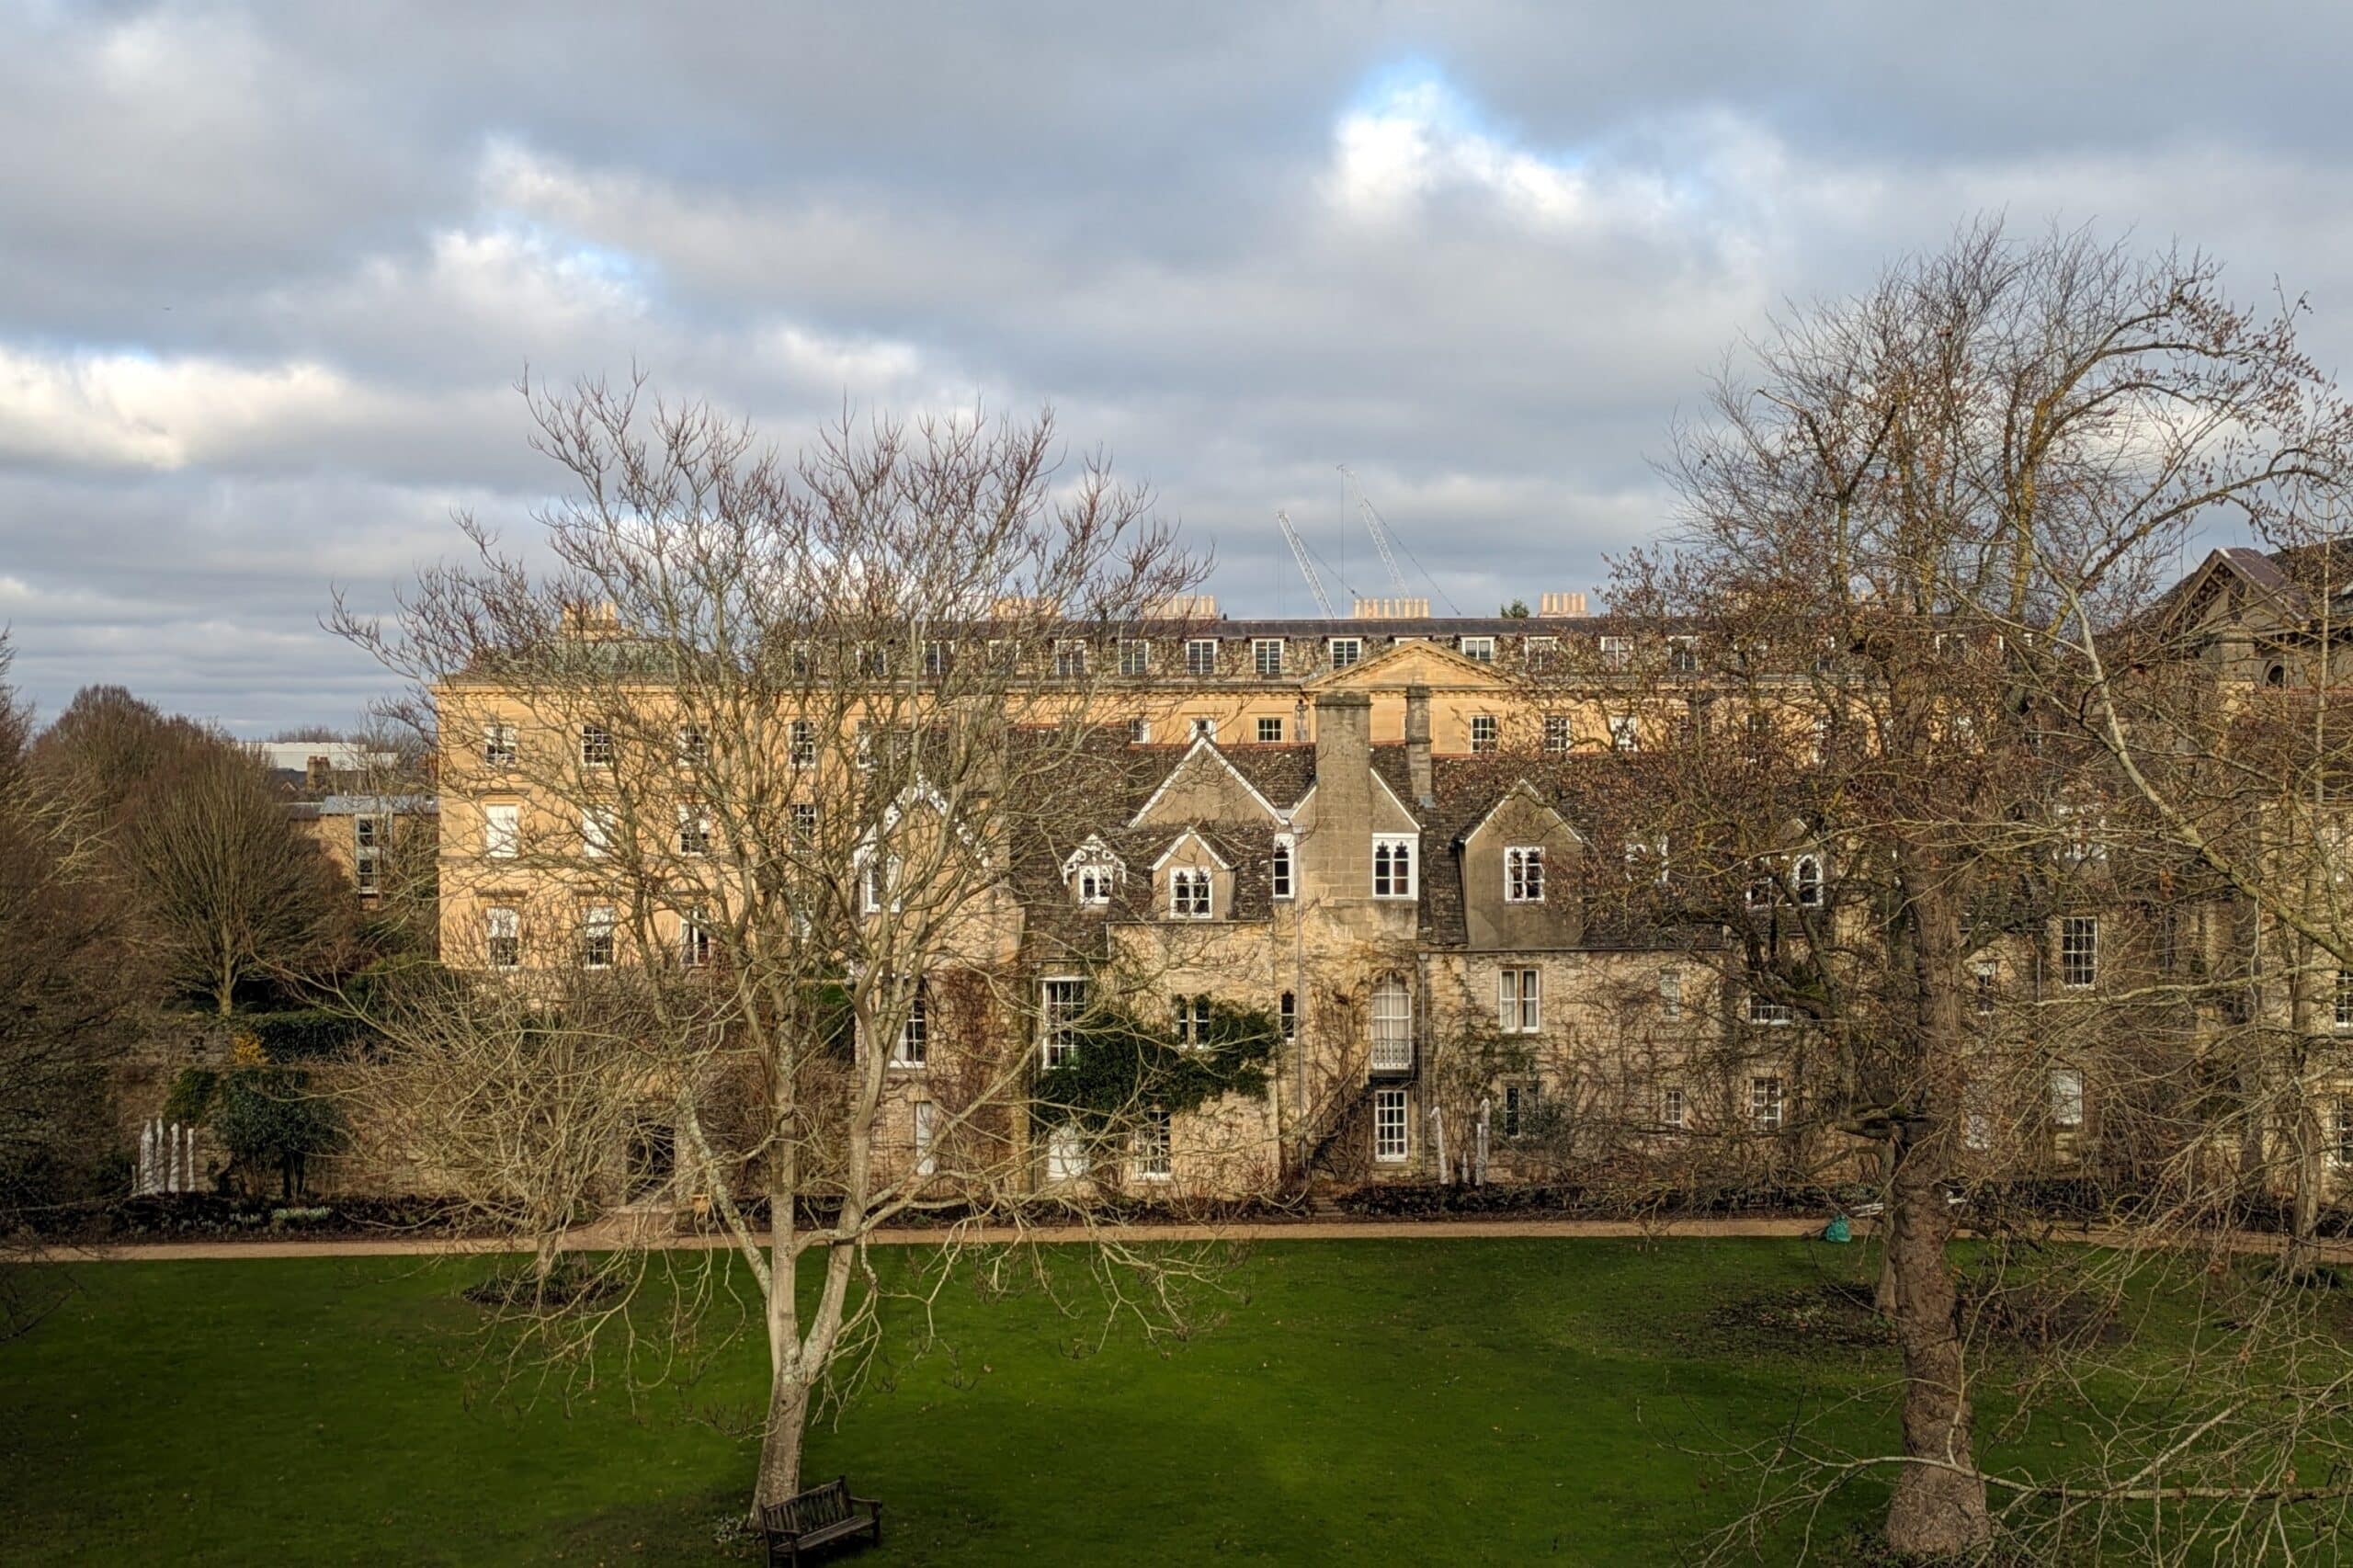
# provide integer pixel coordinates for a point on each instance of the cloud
(267, 288)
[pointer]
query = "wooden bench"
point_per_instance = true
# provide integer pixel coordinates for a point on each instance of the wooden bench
(818, 1517)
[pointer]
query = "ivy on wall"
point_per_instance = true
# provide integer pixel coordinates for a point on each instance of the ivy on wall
(1119, 1063)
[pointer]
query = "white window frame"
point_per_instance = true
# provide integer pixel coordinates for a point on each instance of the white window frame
(1539, 653)
(1062, 1002)
(2340, 1143)
(1673, 1111)
(596, 745)
(2341, 1014)
(503, 923)
(1267, 657)
(694, 745)
(1768, 1014)
(924, 1119)
(2066, 1097)
(1282, 869)
(878, 882)
(1625, 734)
(1670, 993)
(1985, 993)
(1264, 739)
(2078, 957)
(1768, 1102)
(804, 822)
(1617, 653)
(1353, 657)
(1520, 1000)
(1135, 656)
(1480, 650)
(502, 830)
(598, 920)
(1559, 734)
(1139, 732)
(1204, 728)
(1524, 873)
(1650, 851)
(1389, 1010)
(1066, 1155)
(913, 1048)
(367, 834)
(1069, 658)
(693, 940)
(1287, 1014)
(1683, 655)
(1155, 1146)
(1387, 850)
(694, 830)
(801, 743)
(1807, 889)
(498, 744)
(1200, 656)
(1392, 1127)
(599, 827)
(1095, 880)
(1520, 1100)
(1191, 894)
(935, 658)
(1486, 732)
(1192, 1016)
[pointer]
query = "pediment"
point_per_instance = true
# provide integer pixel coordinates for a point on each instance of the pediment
(1416, 662)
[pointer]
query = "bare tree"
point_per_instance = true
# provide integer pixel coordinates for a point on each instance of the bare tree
(230, 893)
(1882, 534)
(736, 802)
(67, 989)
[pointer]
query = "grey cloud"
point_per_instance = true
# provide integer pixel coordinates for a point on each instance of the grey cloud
(267, 284)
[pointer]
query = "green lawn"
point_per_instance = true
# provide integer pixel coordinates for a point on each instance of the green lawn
(1460, 1401)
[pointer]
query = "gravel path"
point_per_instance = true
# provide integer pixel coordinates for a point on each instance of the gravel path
(1313, 1230)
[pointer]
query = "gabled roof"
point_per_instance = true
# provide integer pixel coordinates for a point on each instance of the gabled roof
(1202, 743)
(1525, 791)
(1093, 851)
(1200, 837)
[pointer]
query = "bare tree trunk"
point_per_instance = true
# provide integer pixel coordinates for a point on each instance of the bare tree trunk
(1938, 1506)
(780, 1448)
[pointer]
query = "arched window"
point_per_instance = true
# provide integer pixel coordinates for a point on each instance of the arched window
(1392, 1024)
(1806, 878)
(2276, 675)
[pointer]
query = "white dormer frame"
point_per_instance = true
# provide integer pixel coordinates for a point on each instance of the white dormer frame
(1183, 882)
(1094, 859)
(1412, 845)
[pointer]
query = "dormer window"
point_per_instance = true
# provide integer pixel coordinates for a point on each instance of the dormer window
(1135, 657)
(1393, 865)
(1189, 893)
(1482, 649)
(1347, 652)
(1266, 656)
(1069, 658)
(1093, 874)
(1200, 656)
(1617, 653)
(1523, 874)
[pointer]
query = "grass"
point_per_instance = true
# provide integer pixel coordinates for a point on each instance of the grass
(1466, 1401)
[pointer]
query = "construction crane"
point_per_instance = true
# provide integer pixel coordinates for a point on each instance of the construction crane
(1373, 525)
(1306, 567)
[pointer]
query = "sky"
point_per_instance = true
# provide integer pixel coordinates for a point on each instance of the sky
(270, 275)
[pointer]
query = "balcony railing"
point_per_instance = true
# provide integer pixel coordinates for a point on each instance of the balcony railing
(1393, 1055)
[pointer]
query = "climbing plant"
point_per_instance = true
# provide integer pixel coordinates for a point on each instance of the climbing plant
(1118, 1063)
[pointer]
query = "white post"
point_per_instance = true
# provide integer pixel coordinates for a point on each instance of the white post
(146, 1182)
(1479, 1168)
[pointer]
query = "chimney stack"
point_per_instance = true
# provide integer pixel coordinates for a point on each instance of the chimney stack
(1555, 606)
(1417, 742)
(1336, 850)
